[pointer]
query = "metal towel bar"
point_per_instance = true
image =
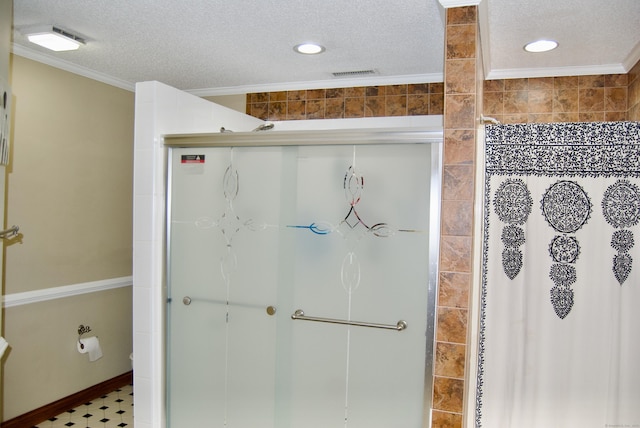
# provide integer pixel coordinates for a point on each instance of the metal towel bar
(9, 233)
(299, 315)
(187, 300)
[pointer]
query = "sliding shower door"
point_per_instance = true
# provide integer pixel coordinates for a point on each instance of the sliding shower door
(299, 282)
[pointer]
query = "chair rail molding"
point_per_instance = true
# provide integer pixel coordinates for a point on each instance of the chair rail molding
(42, 295)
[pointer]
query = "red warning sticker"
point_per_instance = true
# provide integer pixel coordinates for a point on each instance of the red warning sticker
(192, 159)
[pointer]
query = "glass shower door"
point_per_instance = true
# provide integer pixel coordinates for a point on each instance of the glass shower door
(339, 232)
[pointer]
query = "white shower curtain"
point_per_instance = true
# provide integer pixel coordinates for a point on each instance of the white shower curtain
(560, 302)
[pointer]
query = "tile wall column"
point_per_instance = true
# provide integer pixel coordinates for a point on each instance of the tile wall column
(461, 86)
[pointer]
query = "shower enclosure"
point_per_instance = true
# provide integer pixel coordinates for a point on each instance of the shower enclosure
(301, 273)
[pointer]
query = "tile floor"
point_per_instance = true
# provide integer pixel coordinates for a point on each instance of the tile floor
(112, 410)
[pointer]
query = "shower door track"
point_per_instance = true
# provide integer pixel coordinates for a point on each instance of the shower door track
(305, 138)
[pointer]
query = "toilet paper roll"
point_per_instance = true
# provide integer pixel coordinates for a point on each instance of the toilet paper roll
(90, 345)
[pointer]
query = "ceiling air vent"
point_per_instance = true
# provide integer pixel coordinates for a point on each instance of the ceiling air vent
(357, 73)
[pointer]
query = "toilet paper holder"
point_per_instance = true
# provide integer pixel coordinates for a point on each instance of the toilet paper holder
(82, 330)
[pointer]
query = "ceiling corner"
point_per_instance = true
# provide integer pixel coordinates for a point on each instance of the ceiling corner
(633, 58)
(484, 34)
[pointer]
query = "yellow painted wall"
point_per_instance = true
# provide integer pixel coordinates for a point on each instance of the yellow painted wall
(70, 191)
(44, 365)
(236, 102)
(6, 14)
(70, 179)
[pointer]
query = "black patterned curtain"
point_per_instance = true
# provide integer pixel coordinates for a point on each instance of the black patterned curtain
(559, 342)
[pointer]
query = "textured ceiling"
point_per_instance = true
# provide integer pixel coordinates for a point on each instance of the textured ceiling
(595, 36)
(233, 46)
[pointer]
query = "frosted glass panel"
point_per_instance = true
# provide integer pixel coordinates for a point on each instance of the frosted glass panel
(339, 231)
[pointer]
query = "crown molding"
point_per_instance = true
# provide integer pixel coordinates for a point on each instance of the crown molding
(70, 67)
(519, 73)
(633, 58)
(320, 84)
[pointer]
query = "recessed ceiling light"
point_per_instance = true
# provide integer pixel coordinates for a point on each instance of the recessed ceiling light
(53, 38)
(309, 48)
(541, 46)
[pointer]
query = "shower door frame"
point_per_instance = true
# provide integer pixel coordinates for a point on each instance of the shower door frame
(348, 137)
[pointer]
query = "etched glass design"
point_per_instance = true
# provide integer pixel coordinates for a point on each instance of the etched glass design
(352, 227)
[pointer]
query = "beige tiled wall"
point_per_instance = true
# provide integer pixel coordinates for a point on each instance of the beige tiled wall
(593, 98)
(462, 89)
(364, 101)
(546, 99)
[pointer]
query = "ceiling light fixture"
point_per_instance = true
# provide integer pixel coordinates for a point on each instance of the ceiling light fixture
(541, 46)
(53, 38)
(308, 48)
